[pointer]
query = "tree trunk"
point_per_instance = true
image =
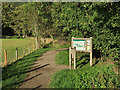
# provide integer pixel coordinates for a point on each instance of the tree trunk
(36, 36)
(36, 43)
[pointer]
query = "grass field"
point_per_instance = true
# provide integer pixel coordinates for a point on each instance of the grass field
(15, 73)
(11, 44)
(100, 75)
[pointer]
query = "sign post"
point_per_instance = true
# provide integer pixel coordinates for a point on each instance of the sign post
(82, 45)
(91, 51)
(69, 57)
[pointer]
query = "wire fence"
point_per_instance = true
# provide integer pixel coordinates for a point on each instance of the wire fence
(9, 56)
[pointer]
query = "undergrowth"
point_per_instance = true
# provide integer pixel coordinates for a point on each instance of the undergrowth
(85, 76)
(100, 76)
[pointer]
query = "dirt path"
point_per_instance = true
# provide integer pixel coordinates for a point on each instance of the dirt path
(42, 71)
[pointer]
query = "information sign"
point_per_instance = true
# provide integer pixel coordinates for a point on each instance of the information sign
(79, 44)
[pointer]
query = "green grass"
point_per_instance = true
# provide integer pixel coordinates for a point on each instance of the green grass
(87, 77)
(62, 57)
(15, 73)
(11, 44)
(97, 76)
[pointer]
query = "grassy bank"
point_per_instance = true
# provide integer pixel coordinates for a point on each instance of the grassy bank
(100, 75)
(14, 74)
(11, 44)
(87, 77)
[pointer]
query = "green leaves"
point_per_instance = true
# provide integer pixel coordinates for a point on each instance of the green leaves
(87, 77)
(99, 20)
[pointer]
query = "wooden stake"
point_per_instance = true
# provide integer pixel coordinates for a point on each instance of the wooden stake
(24, 51)
(75, 58)
(16, 54)
(72, 42)
(86, 45)
(90, 51)
(5, 53)
(72, 52)
(90, 58)
(33, 47)
(70, 58)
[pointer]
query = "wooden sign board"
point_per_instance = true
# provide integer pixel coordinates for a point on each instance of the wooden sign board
(82, 44)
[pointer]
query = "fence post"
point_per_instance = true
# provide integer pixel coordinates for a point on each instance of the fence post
(33, 47)
(16, 53)
(5, 53)
(91, 51)
(24, 51)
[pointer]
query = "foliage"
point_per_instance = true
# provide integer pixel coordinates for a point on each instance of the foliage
(99, 20)
(90, 20)
(87, 77)
(12, 37)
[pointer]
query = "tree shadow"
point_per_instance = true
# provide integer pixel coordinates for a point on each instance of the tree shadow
(96, 62)
(24, 71)
(86, 61)
(96, 53)
(83, 61)
(38, 87)
(36, 66)
(18, 62)
(23, 81)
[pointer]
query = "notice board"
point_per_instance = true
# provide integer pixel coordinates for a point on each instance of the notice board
(82, 44)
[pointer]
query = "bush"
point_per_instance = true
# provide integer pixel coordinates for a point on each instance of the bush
(87, 77)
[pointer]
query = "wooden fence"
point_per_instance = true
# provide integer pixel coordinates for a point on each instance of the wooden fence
(31, 48)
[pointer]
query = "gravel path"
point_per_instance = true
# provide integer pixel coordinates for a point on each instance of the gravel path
(42, 71)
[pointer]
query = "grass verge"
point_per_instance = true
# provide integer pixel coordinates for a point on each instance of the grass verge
(97, 76)
(88, 77)
(15, 73)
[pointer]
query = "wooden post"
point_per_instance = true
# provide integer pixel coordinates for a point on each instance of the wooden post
(90, 51)
(24, 51)
(86, 45)
(33, 47)
(70, 58)
(72, 42)
(16, 54)
(5, 53)
(72, 52)
(75, 58)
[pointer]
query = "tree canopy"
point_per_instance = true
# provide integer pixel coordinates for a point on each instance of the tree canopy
(100, 20)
